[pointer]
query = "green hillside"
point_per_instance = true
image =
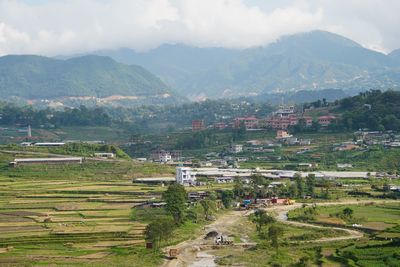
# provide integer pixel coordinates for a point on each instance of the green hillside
(374, 110)
(35, 77)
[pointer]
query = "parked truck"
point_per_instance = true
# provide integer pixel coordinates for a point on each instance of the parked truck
(223, 240)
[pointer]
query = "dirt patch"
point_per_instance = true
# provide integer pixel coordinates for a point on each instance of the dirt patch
(377, 225)
(22, 213)
(5, 229)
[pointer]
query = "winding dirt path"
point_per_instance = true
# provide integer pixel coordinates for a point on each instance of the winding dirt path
(198, 252)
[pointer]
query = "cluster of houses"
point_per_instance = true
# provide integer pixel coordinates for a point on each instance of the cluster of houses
(363, 139)
(388, 139)
(188, 176)
(228, 157)
(281, 119)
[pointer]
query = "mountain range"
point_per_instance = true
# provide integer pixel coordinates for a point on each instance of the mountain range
(306, 61)
(82, 78)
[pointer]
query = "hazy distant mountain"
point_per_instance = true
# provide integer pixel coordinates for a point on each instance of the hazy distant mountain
(308, 61)
(395, 55)
(178, 65)
(304, 96)
(35, 77)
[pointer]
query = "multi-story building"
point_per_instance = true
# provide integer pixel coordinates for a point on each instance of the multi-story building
(281, 122)
(220, 125)
(185, 176)
(236, 148)
(197, 125)
(247, 122)
(282, 134)
(165, 156)
(326, 120)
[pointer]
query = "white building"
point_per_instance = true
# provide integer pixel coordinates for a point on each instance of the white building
(223, 180)
(165, 157)
(105, 155)
(344, 166)
(47, 144)
(235, 148)
(185, 176)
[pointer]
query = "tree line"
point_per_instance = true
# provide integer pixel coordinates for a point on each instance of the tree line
(82, 116)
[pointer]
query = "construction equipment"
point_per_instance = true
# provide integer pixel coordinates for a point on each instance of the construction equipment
(173, 253)
(223, 240)
(289, 201)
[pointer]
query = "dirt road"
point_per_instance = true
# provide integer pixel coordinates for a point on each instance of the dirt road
(198, 252)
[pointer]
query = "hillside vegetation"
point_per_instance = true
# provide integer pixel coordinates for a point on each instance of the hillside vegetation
(35, 77)
(374, 110)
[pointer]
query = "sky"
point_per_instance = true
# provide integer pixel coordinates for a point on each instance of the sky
(64, 27)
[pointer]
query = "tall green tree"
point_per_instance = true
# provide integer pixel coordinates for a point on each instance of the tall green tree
(299, 184)
(159, 230)
(293, 191)
(274, 233)
(176, 198)
(208, 207)
(310, 184)
(227, 198)
(238, 188)
(261, 218)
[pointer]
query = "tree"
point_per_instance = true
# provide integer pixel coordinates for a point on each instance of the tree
(261, 218)
(208, 206)
(176, 197)
(238, 188)
(274, 232)
(318, 256)
(299, 184)
(310, 184)
(159, 230)
(293, 191)
(348, 212)
(227, 198)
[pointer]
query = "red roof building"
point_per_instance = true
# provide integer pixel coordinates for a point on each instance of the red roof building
(326, 120)
(247, 122)
(197, 125)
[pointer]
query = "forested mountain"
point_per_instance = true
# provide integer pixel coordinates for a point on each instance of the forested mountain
(35, 77)
(307, 61)
(374, 110)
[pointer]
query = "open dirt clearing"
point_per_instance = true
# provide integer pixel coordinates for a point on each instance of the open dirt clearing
(199, 252)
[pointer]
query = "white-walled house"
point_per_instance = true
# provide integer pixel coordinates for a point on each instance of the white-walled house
(236, 148)
(185, 176)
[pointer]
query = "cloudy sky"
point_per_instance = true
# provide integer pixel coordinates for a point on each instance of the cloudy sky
(56, 27)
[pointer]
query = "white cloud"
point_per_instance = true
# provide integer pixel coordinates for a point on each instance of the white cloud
(56, 27)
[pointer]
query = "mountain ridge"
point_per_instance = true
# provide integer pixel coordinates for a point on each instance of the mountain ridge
(37, 77)
(304, 61)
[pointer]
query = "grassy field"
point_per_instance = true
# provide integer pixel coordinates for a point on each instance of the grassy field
(371, 216)
(381, 223)
(376, 248)
(294, 247)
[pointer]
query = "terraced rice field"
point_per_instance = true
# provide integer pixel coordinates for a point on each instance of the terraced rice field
(75, 220)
